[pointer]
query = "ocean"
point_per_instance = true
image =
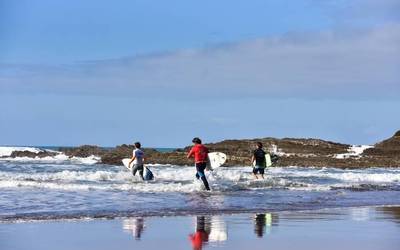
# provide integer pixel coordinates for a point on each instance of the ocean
(73, 188)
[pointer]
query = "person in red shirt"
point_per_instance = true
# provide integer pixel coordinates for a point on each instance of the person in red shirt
(200, 153)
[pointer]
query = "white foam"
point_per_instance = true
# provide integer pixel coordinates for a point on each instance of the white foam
(353, 151)
(372, 175)
(59, 158)
(90, 160)
(181, 179)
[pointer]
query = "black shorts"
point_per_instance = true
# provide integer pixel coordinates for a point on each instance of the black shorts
(258, 170)
(200, 167)
(138, 168)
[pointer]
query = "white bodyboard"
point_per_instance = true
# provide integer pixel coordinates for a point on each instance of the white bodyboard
(129, 167)
(126, 163)
(216, 159)
(268, 160)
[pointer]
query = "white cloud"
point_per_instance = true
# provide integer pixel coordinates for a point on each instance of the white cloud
(345, 64)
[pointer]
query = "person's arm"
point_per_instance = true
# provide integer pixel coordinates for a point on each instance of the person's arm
(132, 159)
(252, 159)
(190, 154)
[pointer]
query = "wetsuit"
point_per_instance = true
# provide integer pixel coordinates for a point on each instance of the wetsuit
(200, 153)
(259, 156)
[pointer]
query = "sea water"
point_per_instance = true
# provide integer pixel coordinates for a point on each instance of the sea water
(60, 187)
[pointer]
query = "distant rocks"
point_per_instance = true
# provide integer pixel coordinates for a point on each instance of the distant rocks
(114, 156)
(289, 152)
(386, 153)
(30, 154)
(83, 151)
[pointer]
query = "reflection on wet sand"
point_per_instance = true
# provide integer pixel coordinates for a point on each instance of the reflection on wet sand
(208, 229)
(263, 223)
(328, 229)
(200, 236)
(393, 212)
(135, 226)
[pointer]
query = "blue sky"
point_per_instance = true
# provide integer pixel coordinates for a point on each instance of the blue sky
(162, 72)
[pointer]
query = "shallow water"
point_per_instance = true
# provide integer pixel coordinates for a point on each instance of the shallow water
(349, 228)
(57, 189)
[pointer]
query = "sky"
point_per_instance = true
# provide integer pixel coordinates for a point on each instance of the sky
(162, 72)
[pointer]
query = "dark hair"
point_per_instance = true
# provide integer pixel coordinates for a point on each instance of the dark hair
(137, 145)
(196, 140)
(259, 145)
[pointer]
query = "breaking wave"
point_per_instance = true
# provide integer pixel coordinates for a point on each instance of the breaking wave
(59, 157)
(181, 179)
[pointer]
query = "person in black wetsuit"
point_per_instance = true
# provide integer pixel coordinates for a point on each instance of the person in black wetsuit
(260, 161)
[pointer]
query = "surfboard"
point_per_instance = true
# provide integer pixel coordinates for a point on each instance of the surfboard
(267, 159)
(126, 163)
(147, 174)
(216, 159)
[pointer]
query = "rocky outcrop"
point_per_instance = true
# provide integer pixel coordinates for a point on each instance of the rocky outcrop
(291, 152)
(385, 153)
(386, 148)
(30, 154)
(115, 156)
(83, 151)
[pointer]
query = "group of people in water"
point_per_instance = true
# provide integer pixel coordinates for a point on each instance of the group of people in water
(200, 154)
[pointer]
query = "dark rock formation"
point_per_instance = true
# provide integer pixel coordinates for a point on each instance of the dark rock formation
(287, 145)
(25, 153)
(83, 151)
(292, 152)
(386, 152)
(115, 156)
(300, 152)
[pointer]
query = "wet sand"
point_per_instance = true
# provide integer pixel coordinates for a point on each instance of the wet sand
(347, 228)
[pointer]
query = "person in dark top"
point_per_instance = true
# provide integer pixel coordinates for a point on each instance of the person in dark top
(260, 162)
(200, 154)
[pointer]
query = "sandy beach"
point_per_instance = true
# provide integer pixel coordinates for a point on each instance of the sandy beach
(346, 228)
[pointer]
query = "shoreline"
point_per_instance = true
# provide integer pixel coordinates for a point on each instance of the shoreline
(189, 214)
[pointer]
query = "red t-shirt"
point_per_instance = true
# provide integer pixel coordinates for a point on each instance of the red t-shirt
(200, 153)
